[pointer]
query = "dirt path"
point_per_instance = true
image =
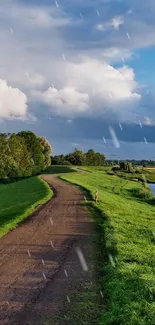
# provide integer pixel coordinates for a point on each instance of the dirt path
(39, 267)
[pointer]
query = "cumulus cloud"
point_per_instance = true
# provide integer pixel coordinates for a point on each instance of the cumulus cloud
(67, 101)
(83, 84)
(13, 102)
(92, 87)
(115, 23)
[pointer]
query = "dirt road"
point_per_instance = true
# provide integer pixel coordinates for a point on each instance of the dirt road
(39, 266)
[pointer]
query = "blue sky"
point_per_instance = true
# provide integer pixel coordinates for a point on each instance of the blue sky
(70, 69)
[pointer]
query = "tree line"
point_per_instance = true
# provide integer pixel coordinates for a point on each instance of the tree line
(79, 158)
(144, 163)
(23, 154)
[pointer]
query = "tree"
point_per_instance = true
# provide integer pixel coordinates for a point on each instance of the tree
(36, 149)
(90, 157)
(126, 166)
(46, 150)
(76, 158)
(23, 154)
(94, 158)
(123, 165)
(59, 160)
(20, 163)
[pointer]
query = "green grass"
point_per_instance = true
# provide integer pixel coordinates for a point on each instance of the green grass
(19, 200)
(148, 173)
(58, 170)
(126, 234)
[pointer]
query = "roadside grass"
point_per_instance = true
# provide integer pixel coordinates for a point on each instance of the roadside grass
(58, 170)
(19, 200)
(126, 234)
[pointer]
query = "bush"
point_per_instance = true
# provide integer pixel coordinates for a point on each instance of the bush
(143, 193)
(115, 168)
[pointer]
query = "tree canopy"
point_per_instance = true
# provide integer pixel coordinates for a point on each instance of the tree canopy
(79, 158)
(23, 154)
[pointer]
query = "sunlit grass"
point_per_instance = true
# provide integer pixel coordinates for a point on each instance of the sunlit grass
(125, 229)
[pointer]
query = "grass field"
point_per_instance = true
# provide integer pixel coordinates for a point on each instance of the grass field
(126, 237)
(149, 173)
(19, 200)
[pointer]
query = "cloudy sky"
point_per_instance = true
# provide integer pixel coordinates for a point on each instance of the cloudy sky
(82, 73)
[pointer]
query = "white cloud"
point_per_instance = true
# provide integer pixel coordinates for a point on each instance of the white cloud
(33, 16)
(66, 101)
(115, 23)
(148, 121)
(91, 87)
(13, 102)
(87, 87)
(114, 54)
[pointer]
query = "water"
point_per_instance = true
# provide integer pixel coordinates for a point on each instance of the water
(152, 187)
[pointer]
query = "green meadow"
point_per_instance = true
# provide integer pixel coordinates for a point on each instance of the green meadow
(19, 199)
(124, 219)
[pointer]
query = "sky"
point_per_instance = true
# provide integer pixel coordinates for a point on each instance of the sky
(81, 73)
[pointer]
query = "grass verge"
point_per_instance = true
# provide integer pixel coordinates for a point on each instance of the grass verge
(126, 234)
(19, 200)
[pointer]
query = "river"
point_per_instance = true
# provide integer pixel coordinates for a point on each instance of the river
(152, 187)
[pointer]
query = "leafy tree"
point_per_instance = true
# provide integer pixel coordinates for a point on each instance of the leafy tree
(35, 148)
(20, 163)
(94, 158)
(90, 158)
(58, 160)
(46, 150)
(126, 166)
(76, 158)
(23, 155)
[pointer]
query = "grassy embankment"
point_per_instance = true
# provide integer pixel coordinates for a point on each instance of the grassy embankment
(125, 222)
(19, 200)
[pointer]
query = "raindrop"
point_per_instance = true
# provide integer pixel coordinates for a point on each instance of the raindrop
(57, 4)
(120, 126)
(145, 140)
(63, 56)
(81, 259)
(128, 36)
(111, 260)
(114, 137)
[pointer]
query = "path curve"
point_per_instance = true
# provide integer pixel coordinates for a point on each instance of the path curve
(33, 257)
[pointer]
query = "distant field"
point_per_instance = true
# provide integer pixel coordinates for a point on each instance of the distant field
(18, 200)
(150, 169)
(126, 234)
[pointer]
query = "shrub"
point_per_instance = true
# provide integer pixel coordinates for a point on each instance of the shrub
(143, 193)
(115, 168)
